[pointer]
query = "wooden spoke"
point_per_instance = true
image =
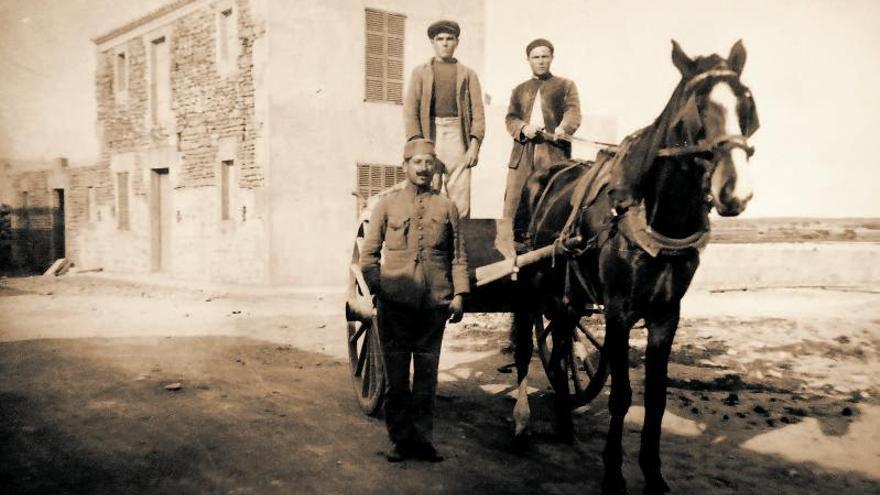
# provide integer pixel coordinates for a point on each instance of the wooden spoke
(585, 365)
(360, 331)
(364, 352)
(544, 334)
(367, 382)
(362, 357)
(592, 338)
(589, 369)
(575, 377)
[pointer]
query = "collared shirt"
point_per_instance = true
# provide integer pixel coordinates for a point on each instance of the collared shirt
(417, 236)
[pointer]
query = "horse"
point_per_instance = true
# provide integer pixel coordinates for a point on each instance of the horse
(640, 216)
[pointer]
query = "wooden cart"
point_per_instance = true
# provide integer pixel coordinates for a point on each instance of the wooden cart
(493, 267)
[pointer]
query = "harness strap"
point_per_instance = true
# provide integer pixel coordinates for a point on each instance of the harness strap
(706, 75)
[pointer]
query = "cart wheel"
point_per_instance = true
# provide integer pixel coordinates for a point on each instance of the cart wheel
(587, 365)
(364, 350)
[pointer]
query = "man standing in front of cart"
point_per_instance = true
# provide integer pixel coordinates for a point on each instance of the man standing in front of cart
(419, 285)
(444, 103)
(544, 111)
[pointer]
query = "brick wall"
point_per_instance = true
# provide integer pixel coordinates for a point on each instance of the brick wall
(83, 246)
(207, 106)
(213, 120)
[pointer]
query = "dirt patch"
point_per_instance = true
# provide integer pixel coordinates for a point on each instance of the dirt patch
(265, 402)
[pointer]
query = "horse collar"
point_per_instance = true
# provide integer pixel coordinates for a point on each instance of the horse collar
(634, 226)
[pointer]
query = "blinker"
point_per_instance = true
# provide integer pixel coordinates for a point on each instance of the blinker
(689, 116)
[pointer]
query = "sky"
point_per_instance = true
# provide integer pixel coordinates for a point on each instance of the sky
(47, 61)
(812, 67)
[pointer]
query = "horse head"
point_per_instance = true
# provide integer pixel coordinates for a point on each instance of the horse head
(718, 112)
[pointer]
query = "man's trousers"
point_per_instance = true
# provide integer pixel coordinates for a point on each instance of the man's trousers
(410, 335)
(451, 150)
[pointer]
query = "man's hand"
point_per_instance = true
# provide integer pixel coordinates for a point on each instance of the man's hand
(530, 131)
(473, 154)
(456, 307)
(560, 133)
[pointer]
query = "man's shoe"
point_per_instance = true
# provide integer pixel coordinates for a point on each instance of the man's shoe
(424, 451)
(397, 453)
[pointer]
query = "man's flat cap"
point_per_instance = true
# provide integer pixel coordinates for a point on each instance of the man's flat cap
(418, 147)
(536, 43)
(444, 26)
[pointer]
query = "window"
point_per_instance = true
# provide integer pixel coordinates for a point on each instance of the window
(226, 175)
(160, 83)
(384, 56)
(122, 200)
(120, 79)
(372, 178)
(227, 40)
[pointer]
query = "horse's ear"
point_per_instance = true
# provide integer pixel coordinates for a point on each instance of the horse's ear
(737, 58)
(681, 61)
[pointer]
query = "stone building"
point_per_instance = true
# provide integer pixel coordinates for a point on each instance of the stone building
(234, 133)
(32, 230)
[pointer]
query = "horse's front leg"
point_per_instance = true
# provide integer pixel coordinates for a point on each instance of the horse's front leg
(617, 327)
(523, 321)
(661, 332)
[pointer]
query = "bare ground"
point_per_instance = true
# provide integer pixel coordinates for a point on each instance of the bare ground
(771, 392)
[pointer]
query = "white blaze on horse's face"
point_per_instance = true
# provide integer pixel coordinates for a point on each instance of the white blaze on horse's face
(732, 179)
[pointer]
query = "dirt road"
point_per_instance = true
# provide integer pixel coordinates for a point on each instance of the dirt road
(772, 392)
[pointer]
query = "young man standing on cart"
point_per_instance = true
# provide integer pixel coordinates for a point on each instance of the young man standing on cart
(444, 103)
(543, 112)
(419, 285)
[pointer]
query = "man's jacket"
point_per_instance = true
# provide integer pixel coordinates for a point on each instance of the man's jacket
(424, 261)
(417, 103)
(561, 105)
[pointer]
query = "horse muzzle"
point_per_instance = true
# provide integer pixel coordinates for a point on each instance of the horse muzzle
(728, 206)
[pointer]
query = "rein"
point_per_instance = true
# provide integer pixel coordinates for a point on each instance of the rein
(703, 146)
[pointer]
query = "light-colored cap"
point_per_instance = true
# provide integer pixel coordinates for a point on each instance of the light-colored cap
(418, 147)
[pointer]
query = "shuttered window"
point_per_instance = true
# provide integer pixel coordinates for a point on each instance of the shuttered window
(384, 56)
(373, 178)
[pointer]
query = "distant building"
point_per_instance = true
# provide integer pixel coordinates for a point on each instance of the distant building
(234, 132)
(32, 218)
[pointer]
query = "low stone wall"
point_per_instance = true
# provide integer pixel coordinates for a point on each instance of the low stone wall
(830, 264)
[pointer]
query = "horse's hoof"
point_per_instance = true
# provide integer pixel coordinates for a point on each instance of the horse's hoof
(656, 486)
(521, 443)
(614, 485)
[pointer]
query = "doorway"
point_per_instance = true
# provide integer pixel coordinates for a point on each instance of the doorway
(56, 244)
(160, 220)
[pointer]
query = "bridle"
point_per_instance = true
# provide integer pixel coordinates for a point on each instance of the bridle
(726, 141)
(705, 147)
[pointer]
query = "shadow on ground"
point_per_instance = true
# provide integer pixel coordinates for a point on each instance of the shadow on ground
(94, 416)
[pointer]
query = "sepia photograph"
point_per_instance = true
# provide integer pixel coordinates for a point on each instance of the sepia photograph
(452, 247)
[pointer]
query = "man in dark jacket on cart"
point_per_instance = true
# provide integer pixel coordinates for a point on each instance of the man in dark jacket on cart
(544, 111)
(419, 285)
